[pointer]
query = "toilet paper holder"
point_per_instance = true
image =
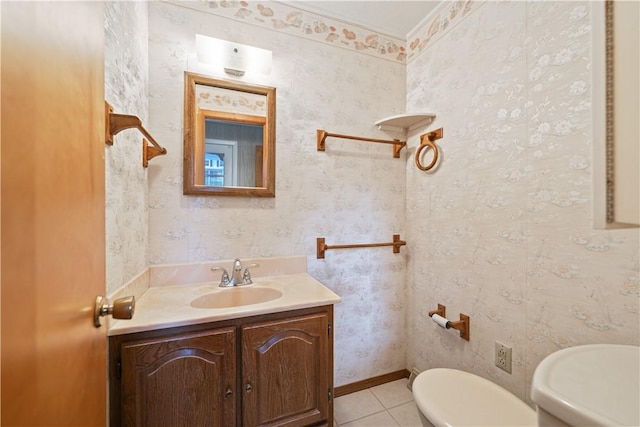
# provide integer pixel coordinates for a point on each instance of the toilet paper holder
(461, 325)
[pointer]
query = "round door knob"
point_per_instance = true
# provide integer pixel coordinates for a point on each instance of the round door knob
(122, 308)
(228, 393)
(248, 387)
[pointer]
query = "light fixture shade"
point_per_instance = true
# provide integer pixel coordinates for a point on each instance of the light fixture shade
(235, 58)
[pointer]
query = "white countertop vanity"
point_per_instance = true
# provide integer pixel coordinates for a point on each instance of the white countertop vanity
(195, 353)
(171, 306)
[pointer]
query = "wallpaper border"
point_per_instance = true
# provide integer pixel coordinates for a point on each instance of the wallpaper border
(438, 23)
(337, 32)
(298, 22)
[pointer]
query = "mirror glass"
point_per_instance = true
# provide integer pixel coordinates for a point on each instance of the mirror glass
(229, 138)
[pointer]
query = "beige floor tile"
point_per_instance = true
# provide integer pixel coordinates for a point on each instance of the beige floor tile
(406, 415)
(381, 419)
(393, 394)
(355, 405)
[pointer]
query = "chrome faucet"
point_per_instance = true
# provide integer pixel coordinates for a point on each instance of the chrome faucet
(237, 272)
(238, 278)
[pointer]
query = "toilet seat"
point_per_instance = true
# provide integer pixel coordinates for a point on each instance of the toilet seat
(449, 397)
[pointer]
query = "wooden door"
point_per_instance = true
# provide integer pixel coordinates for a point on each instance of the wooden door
(285, 372)
(183, 380)
(53, 369)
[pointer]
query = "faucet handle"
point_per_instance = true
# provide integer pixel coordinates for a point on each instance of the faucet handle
(246, 277)
(224, 280)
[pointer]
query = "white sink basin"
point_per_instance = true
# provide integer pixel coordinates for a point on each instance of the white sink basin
(589, 385)
(235, 297)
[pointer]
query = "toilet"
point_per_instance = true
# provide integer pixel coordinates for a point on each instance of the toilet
(449, 397)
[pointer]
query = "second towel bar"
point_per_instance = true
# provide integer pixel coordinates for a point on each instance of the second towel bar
(323, 134)
(321, 247)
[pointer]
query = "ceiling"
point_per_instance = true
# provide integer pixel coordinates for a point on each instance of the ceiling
(392, 17)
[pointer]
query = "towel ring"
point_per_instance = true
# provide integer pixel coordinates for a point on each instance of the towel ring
(435, 155)
(427, 140)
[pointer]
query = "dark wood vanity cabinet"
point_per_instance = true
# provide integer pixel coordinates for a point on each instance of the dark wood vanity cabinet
(186, 379)
(285, 372)
(268, 370)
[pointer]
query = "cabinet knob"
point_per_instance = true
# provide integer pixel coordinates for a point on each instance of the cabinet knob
(248, 387)
(228, 393)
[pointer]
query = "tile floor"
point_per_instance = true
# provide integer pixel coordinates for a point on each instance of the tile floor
(386, 405)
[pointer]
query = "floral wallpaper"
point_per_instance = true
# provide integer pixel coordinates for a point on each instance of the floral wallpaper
(351, 193)
(502, 230)
(230, 101)
(126, 90)
(291, 20)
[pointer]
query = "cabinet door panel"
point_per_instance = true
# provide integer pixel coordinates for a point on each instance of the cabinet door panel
(286, 369)
(180, 381)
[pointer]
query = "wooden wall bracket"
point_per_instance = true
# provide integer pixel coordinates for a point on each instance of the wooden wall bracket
(441, 311)
(462, 325)
(149, 151)
(321, 247)
(115, 123)
(323, 134)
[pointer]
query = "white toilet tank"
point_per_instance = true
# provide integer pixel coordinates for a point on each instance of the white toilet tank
(589, 385)
(449, 397)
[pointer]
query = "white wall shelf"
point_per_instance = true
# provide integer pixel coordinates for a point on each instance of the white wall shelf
(405, 122)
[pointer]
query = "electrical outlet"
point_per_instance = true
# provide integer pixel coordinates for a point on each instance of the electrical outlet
(503, 357)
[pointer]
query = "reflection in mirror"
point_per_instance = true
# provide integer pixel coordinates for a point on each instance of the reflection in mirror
(229, 138)
(231, 153)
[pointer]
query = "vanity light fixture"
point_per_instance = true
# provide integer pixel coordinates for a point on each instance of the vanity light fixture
(235, 58)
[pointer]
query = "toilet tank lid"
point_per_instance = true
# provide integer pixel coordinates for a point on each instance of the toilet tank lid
(593, 384)
(450, 397)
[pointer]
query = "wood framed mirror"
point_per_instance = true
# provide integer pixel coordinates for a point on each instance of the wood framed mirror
(229, 138)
